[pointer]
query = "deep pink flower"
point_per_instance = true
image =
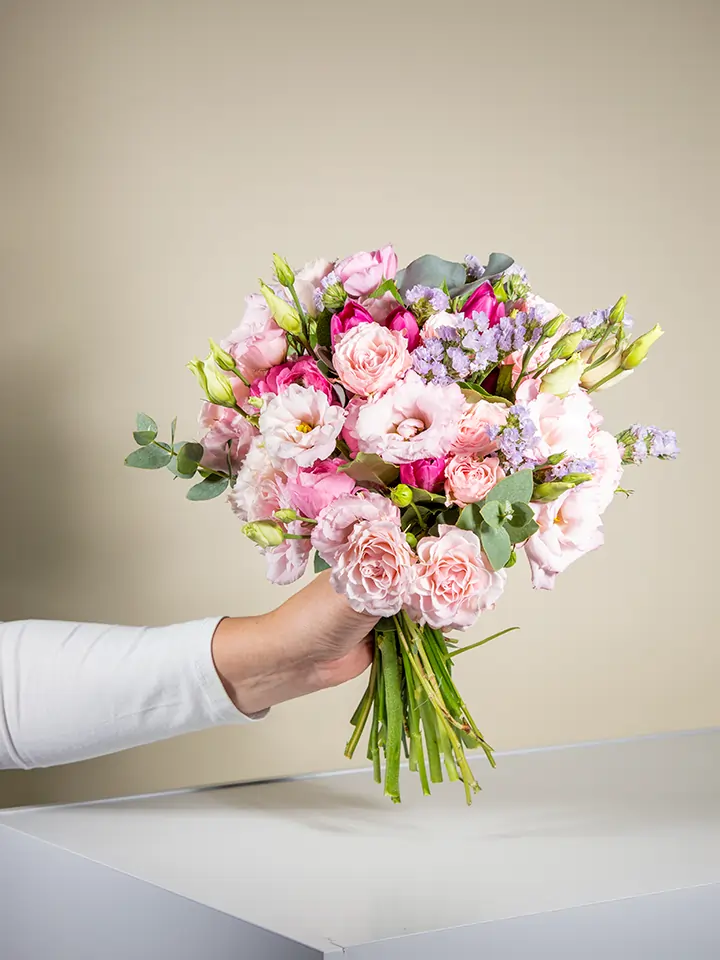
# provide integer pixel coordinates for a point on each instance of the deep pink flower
(427, 474)
(314, 488)
(304, 371)
(404, 321)
(351, 315)
(483, 300)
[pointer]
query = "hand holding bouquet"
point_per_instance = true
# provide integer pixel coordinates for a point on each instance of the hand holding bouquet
(415, 429)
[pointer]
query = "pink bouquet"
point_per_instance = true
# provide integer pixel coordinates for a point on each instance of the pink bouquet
(415, 429)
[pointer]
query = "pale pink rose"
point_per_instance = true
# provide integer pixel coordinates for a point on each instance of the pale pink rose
(303, 370)
(349, 430)
(564, 423)
(364, 272)
(605, 451)
(258, 343)
(473, 426)
(224, 426)
(453, 580)
(370, 359)
(308, 280)
(412, 421)
(380, 308)
(300, 425)
(374, 568)
(260, 488)
(335, 522)
(314, 488)
(287, 563)
(569, 528)
(469, 478)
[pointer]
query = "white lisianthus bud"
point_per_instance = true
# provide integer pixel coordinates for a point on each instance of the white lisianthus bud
(562, 379)
(218, 387)
(265, 533)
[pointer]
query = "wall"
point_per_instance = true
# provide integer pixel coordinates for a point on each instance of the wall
(153, 155)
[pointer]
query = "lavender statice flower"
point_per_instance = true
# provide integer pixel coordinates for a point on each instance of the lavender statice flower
(457, 352)
(570, 466)
(515, 270)
(589, 321)
(474, 268)
(639, 442)
(434, 296)
(516, 439)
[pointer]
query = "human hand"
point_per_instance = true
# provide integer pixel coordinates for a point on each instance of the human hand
(313, 641)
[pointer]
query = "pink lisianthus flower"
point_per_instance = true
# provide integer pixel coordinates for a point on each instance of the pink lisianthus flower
(288, 562)
(336, 522)
(373, 569)
(564, 423)
(426, 474)
(474, 425)
(258, 343)
(570, 527)
(312, 489)
(260, 488)
(469, 478)
(224, 426)
(412, 421)
(364, 272)
(605, 451)
(349, 430)
(483, 300)
(369, 359)
(351, 315)
(453, 580)
(304, 371)
(300, 426)
(404, 321)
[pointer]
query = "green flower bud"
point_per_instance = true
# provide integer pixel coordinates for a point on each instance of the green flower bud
(286, 516)
(617, 314)
(283, 271)
(402, 495)
(221, 357)
(257, 402)
(567, 345)
(577, 478)
(334, 297)
(283, 314)
(547, 492)
(638, 349)
(556, 458)
(500, 291)
(411, 539)
(552, 326)
(562, 379)
(197, 367)
(218, 388)
(265, 533)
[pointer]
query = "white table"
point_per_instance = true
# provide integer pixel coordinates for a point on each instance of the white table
(575, 853)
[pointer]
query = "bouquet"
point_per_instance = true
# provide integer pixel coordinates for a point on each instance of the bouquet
(413, 430)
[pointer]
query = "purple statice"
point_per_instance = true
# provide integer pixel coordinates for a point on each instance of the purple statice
(517, 331)
(516, 439)
(457, 352)
(639, 442)
(589, 321)
(570, 466)
(434, 296)
(474, 268)
(515, 270)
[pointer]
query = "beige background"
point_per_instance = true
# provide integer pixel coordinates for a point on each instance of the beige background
(153, 154)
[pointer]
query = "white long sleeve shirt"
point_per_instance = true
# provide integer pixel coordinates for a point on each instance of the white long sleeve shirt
(71, 691)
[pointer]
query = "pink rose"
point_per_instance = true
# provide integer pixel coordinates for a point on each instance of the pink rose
(374, 568)
(308, 280)
(426, 474)
(258, 343)
(337, 521)
(483, 300)
(304, 371)
(412, 421)
(364, 272)
(224, 426)
(370, 359)
(469, 478)
(404, 321)
(453, 581)
(314, 488)
(569, 528)
(287, 563)
(351, 315)
(473, 427)
(300, 426)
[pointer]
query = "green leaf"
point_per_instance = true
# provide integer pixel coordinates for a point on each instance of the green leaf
(522, 524)
(322, 330)
(319, 564)
(424, 496)
(470, 518)
(148, 458)
(496, 544)
(146, 430)
(369, 468)
(497, 263)
(188, 457)
(474, 392)
(208, 489)
(517, 488)
(492, 513)
(504, 386)
(431, 271)
(388, 286)
(173, 428)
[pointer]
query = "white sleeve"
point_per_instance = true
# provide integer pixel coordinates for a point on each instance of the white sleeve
(71, 691)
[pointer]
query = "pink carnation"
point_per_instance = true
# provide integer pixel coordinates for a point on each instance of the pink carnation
(412, 421)
(469, 478)
(259, 489)
(605, 451)
(336, 521)
(258, 343)
(224, 426)
(304, 371)
(301, 426)
(453, 581)
(472, 436)
(370, 359)
(314, 488)
(374, 568)
(564, 424)
(569, 528)
(364, 272)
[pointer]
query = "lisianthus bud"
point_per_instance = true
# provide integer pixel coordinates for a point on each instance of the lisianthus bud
(402, 495)
(265, 533)
(593, 376)
(552, 326)
(577, 478)
(617, 314)
(283, 271)
(547, 492)
(638, 349)
(286, 516)
(221, 357)
(411, 539)
(197, 368)
(562, 379)
(567, 345)
(556, 458)
(218, 388)
(285, 316)
(257, 402)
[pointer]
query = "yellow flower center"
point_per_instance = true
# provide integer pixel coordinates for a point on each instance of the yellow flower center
(303, 428)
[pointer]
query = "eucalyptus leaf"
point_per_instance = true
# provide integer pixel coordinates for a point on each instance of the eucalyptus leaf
(470, 518)
(208, 489)
(517, 488)
(497, 263)
(188, 458)
(388, 286)
(143, 437)
(173, 428)
(369, 468)
(424, 496)
(496, 544)
(146, 430)
(522, 524)
(173, 465)
(148, 458)
(492, 513)
(474, 392)
(319, 564)
(144, 422)
(431, 271)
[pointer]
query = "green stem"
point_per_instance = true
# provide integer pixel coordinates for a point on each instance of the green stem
(429, 724)
(297, 536)
(418, 515)
(417, 756)
(173, 453)
(241, 376)
(360, 717)
(472, 646)
(394, 710)
(601, 341)
(373, 746)
(446, 751)
(604, 380)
